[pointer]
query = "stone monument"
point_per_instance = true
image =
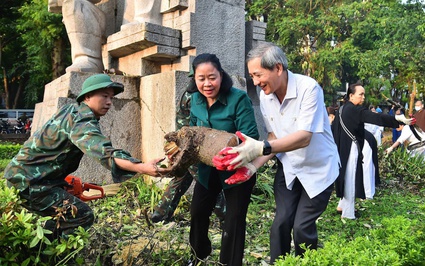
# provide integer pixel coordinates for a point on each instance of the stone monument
(151, 44)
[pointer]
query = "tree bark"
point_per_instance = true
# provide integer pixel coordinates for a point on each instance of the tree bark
(195, 144)
(18, 93)
(58, 68)
(6, 89)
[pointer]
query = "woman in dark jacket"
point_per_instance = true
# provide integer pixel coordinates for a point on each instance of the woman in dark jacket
(349, 134)
(218, 105)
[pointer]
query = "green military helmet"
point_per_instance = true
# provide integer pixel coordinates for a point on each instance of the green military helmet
(99, 81)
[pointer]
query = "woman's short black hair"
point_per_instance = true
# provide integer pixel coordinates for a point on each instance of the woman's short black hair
(226, 81)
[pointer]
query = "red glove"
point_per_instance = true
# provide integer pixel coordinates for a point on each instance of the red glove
(242, 174)
(222, 160)
(247, 151)
(413, 120)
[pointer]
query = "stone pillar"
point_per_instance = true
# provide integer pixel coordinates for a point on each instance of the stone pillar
(255, 34)
(218, 27)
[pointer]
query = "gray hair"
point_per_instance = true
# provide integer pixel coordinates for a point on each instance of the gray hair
(270, 55)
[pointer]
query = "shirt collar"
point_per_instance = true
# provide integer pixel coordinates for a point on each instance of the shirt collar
(291, 91)
(85, 109)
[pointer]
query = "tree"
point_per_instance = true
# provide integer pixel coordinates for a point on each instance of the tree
(9, 48)
(392, 55)
(47, 49)
(31, 38)
(337, 41)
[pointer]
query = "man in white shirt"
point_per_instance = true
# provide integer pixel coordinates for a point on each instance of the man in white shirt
(300, 135)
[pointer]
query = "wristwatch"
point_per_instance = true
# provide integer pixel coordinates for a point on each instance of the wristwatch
(267, 149)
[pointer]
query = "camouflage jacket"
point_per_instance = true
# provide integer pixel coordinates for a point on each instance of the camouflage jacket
(183, 111)
(55, 150)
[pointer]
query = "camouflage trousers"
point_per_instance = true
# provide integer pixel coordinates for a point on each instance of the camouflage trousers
(175, 190)
(58, 203)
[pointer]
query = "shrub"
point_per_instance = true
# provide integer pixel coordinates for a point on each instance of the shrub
(24, 241)
(3, 163)
(398, 242)
(9, 150)
(400, 166)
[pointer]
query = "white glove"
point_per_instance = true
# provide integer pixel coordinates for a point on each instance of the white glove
(247, 151)
(389, 150)
(404, 120)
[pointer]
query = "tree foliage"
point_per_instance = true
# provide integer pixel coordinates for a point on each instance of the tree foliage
(41, 32)
(30, 35)
(380, 42)
(10, 43)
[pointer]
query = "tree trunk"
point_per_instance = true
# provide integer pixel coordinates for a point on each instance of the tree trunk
(6, 89)
(58, 68)
(194, 144)
(18, 93)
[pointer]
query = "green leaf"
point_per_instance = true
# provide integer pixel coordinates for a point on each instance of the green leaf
(34, 242)
(40, 232)
(26, 262)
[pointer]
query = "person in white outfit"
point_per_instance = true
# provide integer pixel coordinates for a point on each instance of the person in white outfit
(349, 134)
(375, 129)
(416, 144)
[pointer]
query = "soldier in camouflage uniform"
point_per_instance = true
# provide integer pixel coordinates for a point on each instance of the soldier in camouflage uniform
(179, 185)
(54, 151)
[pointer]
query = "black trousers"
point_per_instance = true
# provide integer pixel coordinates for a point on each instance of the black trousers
(295, 213)
(233, 235)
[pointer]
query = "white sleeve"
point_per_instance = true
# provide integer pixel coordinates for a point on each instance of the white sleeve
(405, 134)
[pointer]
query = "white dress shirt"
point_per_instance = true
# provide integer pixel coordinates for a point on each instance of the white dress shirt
(303, 108)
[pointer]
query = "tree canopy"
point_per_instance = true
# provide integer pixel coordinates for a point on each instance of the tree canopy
(30, 39)
(337, 42)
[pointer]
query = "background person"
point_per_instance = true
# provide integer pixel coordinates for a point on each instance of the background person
(331, 113)
(416, 145)
(375, 129)
(39, 169)
(218, 105)
(349, 134)
(373, 139)
(419, 115)
(23, 118)
(396, 132)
